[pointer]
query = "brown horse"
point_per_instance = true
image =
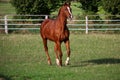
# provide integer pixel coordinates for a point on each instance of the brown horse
(57, 31)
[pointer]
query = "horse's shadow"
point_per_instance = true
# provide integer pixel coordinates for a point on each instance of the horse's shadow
(3, 77)
(96, 62)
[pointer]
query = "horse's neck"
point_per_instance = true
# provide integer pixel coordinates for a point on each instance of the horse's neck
(62, 20)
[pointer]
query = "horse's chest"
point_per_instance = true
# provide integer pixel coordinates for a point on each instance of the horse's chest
(64, 36)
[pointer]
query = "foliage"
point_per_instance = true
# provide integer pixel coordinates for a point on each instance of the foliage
(49, 6)
(35, 6)
(90, 5)
(111, 6)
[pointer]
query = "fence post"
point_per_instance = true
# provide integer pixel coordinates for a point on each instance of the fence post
(46, 16)
(6, 26)
(86, 24)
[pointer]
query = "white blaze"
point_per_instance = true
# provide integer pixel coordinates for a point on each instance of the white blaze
(69, 12)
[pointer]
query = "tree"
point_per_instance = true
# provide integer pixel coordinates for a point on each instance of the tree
(111, 6)
(90, 5)
(35, 6)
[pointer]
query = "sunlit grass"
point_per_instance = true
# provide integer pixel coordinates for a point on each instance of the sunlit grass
(6, 8)
(93, 57)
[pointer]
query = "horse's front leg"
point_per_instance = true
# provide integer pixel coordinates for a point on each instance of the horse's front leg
(67, 43)
(58, 53)
(46, 51)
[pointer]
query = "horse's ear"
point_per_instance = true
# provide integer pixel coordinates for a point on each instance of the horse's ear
(67, 3)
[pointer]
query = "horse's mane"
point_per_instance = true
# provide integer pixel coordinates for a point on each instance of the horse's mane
(59, 11)
(62, 6)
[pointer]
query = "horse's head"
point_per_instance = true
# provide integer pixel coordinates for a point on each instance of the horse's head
(66, 10)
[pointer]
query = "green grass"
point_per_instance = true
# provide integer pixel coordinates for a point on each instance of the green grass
(93, 57)
(6, 8)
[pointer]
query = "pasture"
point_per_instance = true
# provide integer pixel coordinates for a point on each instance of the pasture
(93, 57)
(6, 8)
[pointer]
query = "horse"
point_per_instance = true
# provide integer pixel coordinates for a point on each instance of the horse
(57, 31)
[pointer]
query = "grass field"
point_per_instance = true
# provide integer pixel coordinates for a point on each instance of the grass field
(93, 57)
(6, 8)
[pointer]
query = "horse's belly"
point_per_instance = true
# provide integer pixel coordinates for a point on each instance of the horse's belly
(64, 36)
(56, 35)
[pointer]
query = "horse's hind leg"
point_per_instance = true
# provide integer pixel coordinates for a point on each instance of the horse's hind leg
(67, 43)
(58, 53)
(46, 51)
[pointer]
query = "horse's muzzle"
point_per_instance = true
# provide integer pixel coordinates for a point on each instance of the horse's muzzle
(70, 17)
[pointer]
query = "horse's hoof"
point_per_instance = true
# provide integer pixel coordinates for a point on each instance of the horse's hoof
(67, 63)
(58, 64)
(49, 63)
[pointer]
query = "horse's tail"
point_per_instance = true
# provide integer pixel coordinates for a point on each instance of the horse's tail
(43, 24)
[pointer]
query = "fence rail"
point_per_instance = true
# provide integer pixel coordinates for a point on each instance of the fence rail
(83, 24)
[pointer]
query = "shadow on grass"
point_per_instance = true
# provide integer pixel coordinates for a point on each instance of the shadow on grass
(3, 77)
(97, 61)
(103, 61)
